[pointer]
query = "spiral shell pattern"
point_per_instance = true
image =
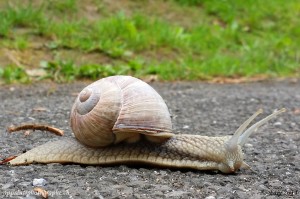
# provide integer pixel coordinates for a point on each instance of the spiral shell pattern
(115, 108)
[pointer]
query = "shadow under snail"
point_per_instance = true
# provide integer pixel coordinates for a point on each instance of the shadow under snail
(123, 120)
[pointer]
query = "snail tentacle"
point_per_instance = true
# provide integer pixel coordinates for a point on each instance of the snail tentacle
(232, 143)
(243, 138)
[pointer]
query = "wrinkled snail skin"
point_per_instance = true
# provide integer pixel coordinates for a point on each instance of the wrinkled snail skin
(181, 151)
(123, 120)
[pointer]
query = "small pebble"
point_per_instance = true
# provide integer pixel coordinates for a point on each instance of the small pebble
(210, 197)
(176, 194)
(277, 124)
(186, 127)
(11, 172)
(39, 182)
(247, 145)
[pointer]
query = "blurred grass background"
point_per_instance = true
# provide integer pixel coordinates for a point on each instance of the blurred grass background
(167, 40)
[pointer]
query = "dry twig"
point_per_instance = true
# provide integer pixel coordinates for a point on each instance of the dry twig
(34, 127)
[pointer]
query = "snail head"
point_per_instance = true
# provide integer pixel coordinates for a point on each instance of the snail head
(234, 145)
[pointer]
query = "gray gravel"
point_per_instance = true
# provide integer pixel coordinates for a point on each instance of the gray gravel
(197, 108)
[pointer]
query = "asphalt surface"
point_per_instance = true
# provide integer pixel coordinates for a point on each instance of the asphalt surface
(196, 108)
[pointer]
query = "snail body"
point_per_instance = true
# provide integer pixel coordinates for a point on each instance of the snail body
(123, 120)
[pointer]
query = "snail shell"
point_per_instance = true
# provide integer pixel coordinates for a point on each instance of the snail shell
(119, 108)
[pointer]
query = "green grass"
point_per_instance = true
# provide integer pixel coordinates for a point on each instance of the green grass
(20, 17)
(201, 40)
(13, 74)
(61, 70)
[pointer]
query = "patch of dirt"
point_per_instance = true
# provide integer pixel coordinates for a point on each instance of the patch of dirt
(30, 58)
(183, 16)
(80, 58)
(160, 54)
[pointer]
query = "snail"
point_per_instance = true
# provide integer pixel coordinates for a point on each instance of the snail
(123, 120)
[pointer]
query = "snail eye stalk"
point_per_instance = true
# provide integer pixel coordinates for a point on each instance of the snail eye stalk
(232, 143)
(243, 138)
(240, 136)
